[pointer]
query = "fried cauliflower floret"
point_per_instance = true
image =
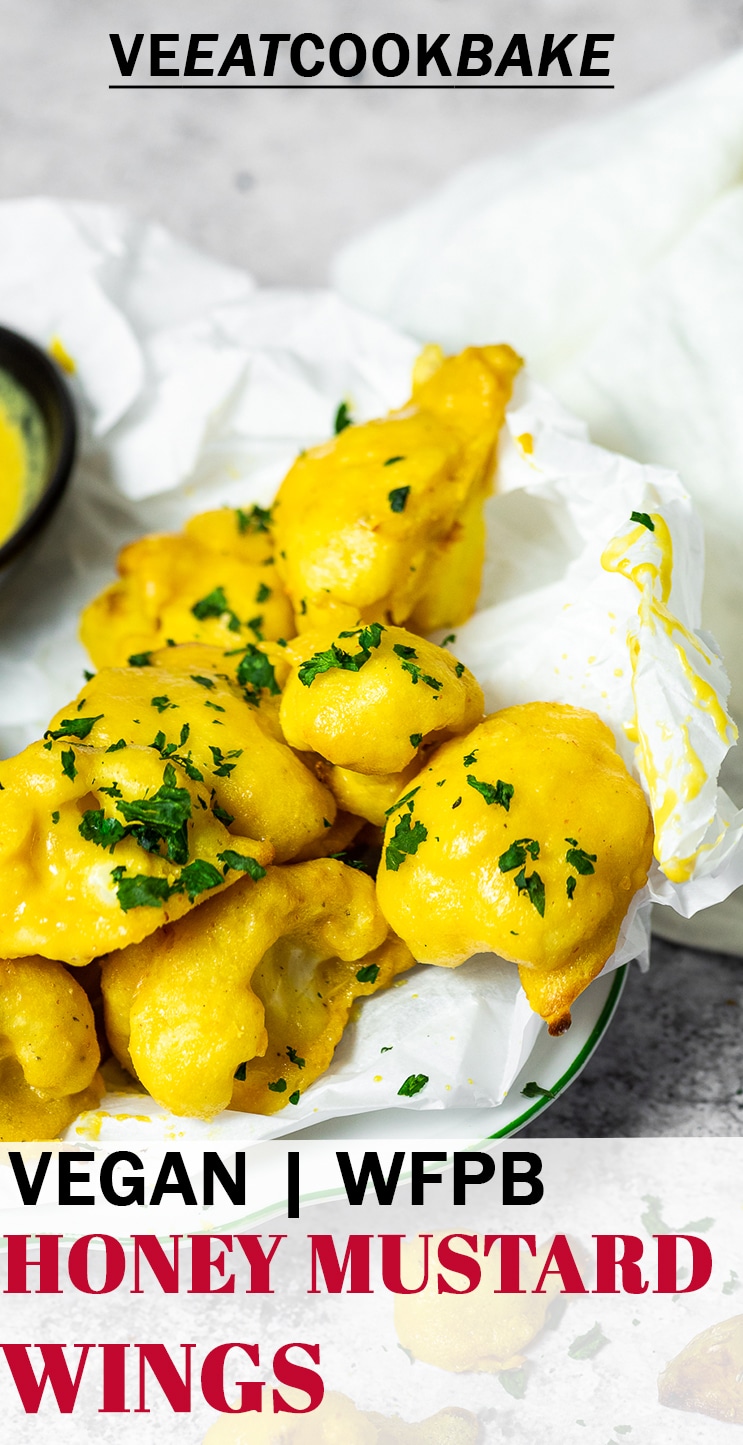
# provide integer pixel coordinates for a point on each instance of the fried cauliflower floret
(528, 838)
(243, 1005)
(707, 1376)
(367, 699)
(99, 848)
(213, 582)
(337, 1421)
(385, 520)
(484, 1330)
(48, 1050)
(205, 711)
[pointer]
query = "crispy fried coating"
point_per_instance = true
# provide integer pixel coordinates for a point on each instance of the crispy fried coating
(188, 703)
(214, 582)
(385, 520)
(234, 989)
(48, 1050)
(483, 1330)
(367, 699)
(527, 838)
(337, 1421)
(707, 1376)
(99, 848)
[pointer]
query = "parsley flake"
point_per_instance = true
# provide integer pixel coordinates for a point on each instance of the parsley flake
(369, 973)
(241, 1073)
(398, 497)
(263, 593)
(256, 674)
(140, 891)
(570, 886)
(459, 669)
(416, 739)
(241, 863)
(294, 1058)
(515, 854)
(334, 656)
(406, 798)
(68, 764)
(140, 659)
(403, 650)
(643, 519)
(257, 519)
(499, 792)
(116, 747)
(584, 1347)
(412, 1086)
(278, 1086)
(342, 419)
(223, 816)
(215, 604)
(404, 842)
(533, 887)
(392, 461)
(207, 682)
(578, 859)
(162, 703)
(533, 1090)
(74, 727)
(197, 878)
(295, 1097)
(55, 817)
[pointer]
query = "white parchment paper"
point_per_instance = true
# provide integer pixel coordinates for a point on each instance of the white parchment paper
(197, 389)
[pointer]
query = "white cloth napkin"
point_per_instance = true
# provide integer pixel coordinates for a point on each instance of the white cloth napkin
(611, 255)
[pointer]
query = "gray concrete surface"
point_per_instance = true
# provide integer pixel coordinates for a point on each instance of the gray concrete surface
(275, 183)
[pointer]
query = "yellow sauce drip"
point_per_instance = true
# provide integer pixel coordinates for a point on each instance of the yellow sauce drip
(526, 442)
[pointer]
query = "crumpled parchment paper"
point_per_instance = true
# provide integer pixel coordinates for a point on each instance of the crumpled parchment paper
(196, 389)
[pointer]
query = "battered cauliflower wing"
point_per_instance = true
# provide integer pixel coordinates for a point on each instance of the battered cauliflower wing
(527, 838)
(101, 845)
(49, 1052)
(385, 521)
(242, 1004)
(213, 582)
(707, 1376)
(189, 704)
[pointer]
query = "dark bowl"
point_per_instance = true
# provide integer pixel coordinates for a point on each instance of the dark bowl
(42, 379)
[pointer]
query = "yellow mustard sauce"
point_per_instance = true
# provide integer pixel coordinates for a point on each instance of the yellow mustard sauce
(23, 454)
(652, 575)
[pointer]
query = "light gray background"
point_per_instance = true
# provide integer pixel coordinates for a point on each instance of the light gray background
(275, 183)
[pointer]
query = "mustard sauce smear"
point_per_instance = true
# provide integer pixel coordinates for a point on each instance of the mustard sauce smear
(23, 454)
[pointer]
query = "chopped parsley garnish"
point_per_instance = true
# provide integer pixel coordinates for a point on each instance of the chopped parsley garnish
(451, 638)
(263, 593)
(74, 727)
(404, 841)
(416, 674)
(223, 767)
(578, 859)
(398, 497)
(295, 1097)
(536, 1091)
(68, 764)
(334, 656)
(162, 703)
(469, 758)
(241, 863)
(294, 1058)
(207, 682)
(570, 886)
(140, 659)
(500, 792)
(458, 804)
(392, 461)
(97, 828)
(161, 818)
(643, 519)
(215, 604)
(413, 1085)
(241, 1073)
(116, 747)
(406, 798)
(88, 675)
(223, 816)
(197, 878)
(514, 1381)
(214, 706)
(459, 669)
(515, 854)
(403, 650)
(278, 1086)
(533, 887)
(140, 891)
(257, 519)
(584, 1347)
(55, 817)
(416, 739)
(256, 674)
(369, 973)
(255, 624)
(113, 792)
(343, 418)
